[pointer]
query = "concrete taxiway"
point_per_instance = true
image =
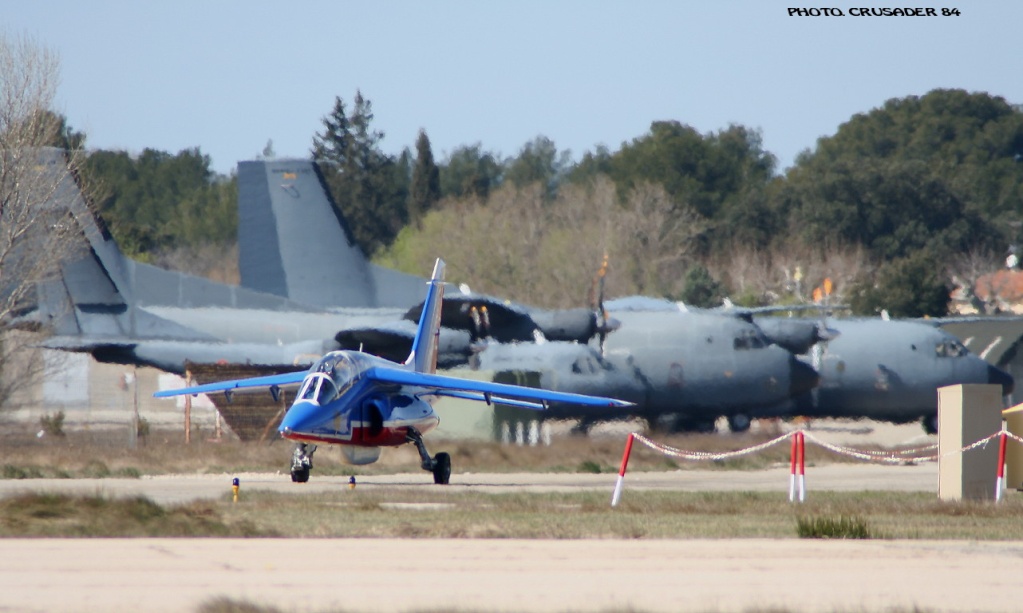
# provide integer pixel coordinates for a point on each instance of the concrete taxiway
(509, 575)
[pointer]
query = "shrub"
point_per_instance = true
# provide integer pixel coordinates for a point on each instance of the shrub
(53, 424)
(842, 527)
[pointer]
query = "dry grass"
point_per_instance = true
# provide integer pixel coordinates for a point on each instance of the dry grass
(231, 605)
(370, 512)
(55, 515)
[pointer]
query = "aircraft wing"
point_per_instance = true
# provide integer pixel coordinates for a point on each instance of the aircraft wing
(483, 315)
(289, 378)
(393, 341)
(390, 340)
(485, 391)
(83, 344)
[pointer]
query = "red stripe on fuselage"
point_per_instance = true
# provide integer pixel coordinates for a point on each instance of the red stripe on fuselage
(389, 436)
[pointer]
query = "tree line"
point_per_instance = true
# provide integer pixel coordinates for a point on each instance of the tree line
(889, 207)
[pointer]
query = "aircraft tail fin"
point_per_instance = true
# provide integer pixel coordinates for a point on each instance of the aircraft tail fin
(294, 242)
(423, 357)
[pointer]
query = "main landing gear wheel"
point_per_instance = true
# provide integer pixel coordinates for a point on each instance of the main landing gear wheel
(930, 423)
(302, 462)
(740, 422)
(442, 468)
(689, 425)
(440, 465)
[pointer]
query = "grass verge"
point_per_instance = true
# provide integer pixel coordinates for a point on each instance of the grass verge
(396, 513)
(53, 515)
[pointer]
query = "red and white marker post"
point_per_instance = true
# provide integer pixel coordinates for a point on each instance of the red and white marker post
(792, 468)
(1001, 467)
(621, 471)
(802, 466)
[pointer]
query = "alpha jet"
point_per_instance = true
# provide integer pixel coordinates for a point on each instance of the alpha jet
(364, 403)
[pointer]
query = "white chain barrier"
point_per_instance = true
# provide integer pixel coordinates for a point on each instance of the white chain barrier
(797, 483)
(703, 455)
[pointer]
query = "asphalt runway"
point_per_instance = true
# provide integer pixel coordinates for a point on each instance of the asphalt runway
(509, 575)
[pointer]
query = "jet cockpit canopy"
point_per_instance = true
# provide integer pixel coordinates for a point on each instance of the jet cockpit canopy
(331, 376)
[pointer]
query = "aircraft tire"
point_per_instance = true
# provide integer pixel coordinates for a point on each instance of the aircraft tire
(300, 475)
(740, 422)
(930, 423)
(442, 468)
(705, 426)
(691, 425)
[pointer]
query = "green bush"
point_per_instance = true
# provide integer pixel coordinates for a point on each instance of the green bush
(842, 527)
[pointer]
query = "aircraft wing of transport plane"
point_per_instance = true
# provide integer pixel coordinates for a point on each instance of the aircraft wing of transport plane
(364, 403)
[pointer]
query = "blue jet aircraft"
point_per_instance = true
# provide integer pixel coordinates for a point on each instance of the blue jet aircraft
(364, 403)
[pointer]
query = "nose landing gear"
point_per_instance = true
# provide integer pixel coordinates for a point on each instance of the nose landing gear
(302, 462)
(439, 465)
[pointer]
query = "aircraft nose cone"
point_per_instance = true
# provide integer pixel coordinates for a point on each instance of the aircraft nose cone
(997, 376)
(803, 378)
(299, 418)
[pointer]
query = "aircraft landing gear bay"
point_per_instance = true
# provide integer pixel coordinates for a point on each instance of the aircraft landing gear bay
(439, 465)
(302, 462)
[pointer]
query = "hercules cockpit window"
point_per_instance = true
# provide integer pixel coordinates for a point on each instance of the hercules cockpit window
(950, 348)
(748, 339)
(584, 366)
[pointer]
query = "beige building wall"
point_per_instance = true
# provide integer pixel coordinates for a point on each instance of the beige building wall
(967, 414)
(1014, 452)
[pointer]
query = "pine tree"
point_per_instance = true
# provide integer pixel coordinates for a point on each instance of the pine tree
(333, 143)
(363, 181)
(425, 189)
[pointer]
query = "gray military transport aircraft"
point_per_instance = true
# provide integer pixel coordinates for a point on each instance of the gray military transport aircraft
(887, 370)
(890, 370)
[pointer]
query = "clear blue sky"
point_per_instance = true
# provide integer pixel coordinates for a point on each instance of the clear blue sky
(228, 76)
